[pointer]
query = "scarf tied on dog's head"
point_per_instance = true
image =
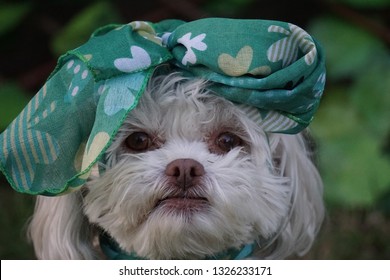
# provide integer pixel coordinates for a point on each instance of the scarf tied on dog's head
(273, 70)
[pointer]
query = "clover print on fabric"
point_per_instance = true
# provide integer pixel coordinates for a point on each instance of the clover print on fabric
(287, 48)
(121, 92)
(194, 43)
(28, 146)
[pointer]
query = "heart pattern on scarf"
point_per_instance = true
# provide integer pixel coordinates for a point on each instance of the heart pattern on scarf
(236, 66)
(140, 59)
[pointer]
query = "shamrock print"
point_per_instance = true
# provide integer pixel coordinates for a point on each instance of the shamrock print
(194, 43)
(121, 92)
(287, 48)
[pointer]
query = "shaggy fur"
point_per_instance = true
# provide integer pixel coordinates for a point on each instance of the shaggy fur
(265, 190)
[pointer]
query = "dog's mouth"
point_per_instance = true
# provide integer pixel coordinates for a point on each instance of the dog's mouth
(177, 204)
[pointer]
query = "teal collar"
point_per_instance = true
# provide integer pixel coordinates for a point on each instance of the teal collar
(113, 252)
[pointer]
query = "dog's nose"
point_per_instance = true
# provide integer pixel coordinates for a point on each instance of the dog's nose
(185, 171)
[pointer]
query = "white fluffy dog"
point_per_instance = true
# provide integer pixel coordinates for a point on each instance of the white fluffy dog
(188, 176)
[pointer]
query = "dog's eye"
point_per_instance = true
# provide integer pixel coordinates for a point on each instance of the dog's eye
(227, 141)
(138, 141)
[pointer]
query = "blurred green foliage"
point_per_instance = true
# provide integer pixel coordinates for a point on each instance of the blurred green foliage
(78, 30)
(353, 122)
(15, 211)
(352, 126)
(13, 100)
(11, 15)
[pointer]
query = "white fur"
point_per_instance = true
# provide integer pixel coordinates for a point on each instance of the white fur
(268, 191)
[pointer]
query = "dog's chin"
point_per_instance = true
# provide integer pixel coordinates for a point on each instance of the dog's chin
(175, 228)
(180, 229)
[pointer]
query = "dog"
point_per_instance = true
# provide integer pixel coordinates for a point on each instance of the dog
(188, 175)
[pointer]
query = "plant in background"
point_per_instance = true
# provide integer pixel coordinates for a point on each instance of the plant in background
(353, 123)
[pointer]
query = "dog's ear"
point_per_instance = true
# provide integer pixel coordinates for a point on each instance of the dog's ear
(59, 229)
(293, 159)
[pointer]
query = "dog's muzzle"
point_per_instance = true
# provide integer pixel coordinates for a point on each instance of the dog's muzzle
(184, 187)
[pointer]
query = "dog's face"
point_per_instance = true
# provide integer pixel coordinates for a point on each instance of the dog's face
(189, 175)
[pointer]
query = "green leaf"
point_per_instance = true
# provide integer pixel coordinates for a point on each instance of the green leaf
(12, 101)
(371, 96)
(348, 48)
(11, 15)
(354, 170)
(82, 25)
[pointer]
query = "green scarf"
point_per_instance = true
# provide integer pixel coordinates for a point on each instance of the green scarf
(274, 70)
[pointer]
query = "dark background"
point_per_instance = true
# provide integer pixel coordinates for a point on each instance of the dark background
(352, 127)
